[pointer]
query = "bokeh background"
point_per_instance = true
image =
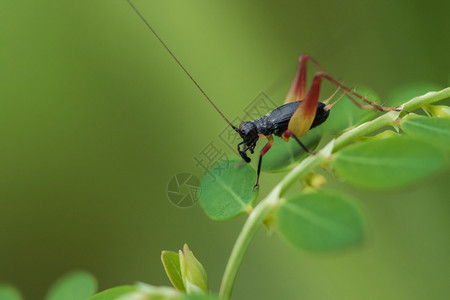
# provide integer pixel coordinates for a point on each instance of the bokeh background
(96, 118)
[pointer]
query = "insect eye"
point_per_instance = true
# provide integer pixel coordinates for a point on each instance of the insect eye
(248, 128)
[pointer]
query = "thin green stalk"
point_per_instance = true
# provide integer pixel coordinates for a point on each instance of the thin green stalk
(428, 98)
(248, 231)
(257, 216)
(267, 205)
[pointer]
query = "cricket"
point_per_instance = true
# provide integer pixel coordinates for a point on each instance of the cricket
(300, 112)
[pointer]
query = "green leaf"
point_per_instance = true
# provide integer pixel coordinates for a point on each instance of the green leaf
(346, 114)
(320, 221)
(228, 190)
(441, 111)
(76, 285)
(388, 163)
(432, 130)
(171, 263)
(9, 292)
(282, 156)
(115, 292)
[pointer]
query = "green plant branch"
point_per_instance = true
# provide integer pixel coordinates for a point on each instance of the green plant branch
(267, 205)
(248, 231)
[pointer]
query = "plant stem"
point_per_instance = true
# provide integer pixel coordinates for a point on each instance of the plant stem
(240, 246)
(268, 204)
(428, 98)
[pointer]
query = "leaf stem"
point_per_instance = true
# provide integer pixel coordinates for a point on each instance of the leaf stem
(428, 98)
(240, 246)
(268, 204)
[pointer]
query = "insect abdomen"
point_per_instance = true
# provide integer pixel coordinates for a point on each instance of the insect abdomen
(277, 121)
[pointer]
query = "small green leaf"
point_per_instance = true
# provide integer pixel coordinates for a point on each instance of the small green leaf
(432, 130)
(282, 156)
(9, 292)
(76, 285)
(387, 163)
(171, 263)
(227, 190)
(441, 111)
(320, 221)
(346, 114)
(383, 135)
(115, 292)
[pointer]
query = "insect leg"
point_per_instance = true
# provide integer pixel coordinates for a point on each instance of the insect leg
(287, 134)
(303, 117)
(332, 96)
(261, 154)
(298, 88)
(329, 106)
(349, 92)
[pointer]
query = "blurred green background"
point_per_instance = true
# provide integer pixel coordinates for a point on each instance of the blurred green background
(96, 118)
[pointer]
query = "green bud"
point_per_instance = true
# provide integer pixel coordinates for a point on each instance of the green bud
(192, 272)
(314, 181)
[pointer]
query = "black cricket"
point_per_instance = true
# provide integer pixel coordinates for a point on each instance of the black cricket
(276, 122)
(301, 112)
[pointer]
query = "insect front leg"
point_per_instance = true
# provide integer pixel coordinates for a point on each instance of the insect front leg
(263, 151)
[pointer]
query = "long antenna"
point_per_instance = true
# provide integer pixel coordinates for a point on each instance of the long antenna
(180, 64)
